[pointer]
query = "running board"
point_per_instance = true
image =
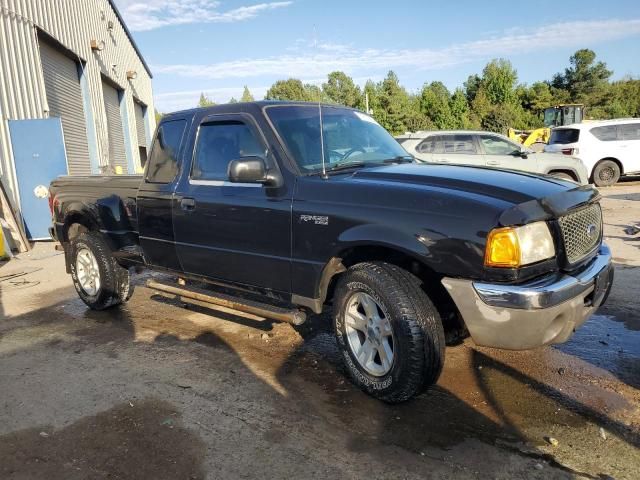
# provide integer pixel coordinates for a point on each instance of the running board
(294, 317)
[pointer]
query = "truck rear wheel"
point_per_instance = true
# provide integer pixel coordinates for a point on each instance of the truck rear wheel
(388, 331)
(99, 280)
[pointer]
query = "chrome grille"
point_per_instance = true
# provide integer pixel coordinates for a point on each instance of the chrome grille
(581, 232)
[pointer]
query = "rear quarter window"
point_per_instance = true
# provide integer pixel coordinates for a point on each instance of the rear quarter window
(163, 162)
(605, 134)
(630, 131)
(563, 136)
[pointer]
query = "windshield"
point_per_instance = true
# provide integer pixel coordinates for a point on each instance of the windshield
(350, 137)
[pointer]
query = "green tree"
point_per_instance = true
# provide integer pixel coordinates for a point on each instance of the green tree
(393, 105)
(471, 87)
(459, 110)
(246, 95)
(537, 97)
(233, 100)
(291, 89)
(315, 94)
(498, 81)
(586, 80)
(435, 105)
(340, 89)
(415, 120)
(205, 101)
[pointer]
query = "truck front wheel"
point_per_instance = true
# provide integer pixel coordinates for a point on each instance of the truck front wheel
(388, 331)
(99, 280)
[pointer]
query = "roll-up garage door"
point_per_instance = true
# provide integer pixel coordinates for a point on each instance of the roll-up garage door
(64, 97)
(117, 156)
(141, 131)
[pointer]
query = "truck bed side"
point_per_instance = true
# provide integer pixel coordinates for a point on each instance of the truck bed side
(105, 203)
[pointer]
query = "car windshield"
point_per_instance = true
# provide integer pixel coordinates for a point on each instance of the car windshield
(351, 138)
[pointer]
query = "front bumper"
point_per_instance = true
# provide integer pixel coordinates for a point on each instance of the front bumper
(540, 312)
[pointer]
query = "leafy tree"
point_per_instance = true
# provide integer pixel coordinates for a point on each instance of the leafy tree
(459, 110)
(315, 94)
(537, 97)
(393, 105)
(415, 120)
(471, 87)
(246, 95)
(340, 89)
(498, 81)
(233, 100)
(158, 116)
(205, 101)
(291, 89)
(435, 106)
(586, 80)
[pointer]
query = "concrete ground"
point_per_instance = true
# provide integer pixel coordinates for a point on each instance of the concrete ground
(159, 389)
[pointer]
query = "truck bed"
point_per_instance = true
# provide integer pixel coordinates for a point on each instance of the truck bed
(115, 197)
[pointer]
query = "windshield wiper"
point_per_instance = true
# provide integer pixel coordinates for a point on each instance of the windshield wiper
(345, 165)
(399, 159)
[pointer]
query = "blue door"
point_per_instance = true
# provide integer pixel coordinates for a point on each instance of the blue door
(39, 157)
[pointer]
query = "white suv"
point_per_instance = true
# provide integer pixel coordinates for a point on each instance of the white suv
(608, 148)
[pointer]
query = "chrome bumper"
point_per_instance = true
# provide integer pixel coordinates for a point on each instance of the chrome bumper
(536, 313)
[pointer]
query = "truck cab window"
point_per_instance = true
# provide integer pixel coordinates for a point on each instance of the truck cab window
(163, 163)
(218, 144)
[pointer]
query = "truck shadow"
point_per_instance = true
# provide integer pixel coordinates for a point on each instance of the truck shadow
(309, 378)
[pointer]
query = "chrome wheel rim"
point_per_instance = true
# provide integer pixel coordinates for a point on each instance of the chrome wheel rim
(87, 271)
(369, 334)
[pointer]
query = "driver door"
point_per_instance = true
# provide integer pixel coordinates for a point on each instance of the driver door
(234, 232)
(500, 153)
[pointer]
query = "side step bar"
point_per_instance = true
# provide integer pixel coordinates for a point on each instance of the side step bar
(294, 317)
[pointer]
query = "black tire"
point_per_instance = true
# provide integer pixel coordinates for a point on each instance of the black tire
(606, 173)
(418, 334)
(115, 286)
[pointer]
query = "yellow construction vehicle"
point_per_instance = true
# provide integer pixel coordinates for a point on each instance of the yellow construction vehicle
(556, 116)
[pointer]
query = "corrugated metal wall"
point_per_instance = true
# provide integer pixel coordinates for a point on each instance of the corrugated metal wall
(73, 23)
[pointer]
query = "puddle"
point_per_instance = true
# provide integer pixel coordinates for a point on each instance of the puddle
(145, 440)
(607, 343)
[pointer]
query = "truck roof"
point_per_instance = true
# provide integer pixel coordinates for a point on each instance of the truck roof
(247, 107)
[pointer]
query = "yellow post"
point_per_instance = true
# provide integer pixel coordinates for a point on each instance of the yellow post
(3, 252)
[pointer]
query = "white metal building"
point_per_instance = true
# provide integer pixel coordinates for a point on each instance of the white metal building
(76, 60)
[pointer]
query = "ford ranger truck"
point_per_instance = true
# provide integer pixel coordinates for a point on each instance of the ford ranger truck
(283, 209)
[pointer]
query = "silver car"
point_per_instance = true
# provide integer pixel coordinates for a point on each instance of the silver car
(490, 150)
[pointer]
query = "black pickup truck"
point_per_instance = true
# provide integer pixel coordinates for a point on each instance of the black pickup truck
(302, 206)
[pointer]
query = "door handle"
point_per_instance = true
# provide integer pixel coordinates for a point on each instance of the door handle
(443, 160)
(493, 162)
(188, 203)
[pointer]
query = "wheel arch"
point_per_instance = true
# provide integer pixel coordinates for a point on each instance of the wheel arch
(568, 170)
(407, 260)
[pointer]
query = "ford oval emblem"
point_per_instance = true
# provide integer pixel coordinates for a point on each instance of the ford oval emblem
(591, 230)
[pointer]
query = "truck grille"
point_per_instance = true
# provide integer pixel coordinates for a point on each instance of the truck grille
(581, 232)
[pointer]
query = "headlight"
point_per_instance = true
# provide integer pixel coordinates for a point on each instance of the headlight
(512, 247)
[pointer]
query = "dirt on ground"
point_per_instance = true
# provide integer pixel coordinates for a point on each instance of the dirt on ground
(163, 389)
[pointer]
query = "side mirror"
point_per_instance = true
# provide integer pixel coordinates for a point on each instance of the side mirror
(252, 169)
(522, 153)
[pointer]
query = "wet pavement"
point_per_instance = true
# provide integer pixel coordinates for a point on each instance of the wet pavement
(162, 389)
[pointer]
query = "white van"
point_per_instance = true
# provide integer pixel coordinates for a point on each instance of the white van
(608, 148)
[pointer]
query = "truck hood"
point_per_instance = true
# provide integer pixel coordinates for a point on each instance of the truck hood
(532, 197)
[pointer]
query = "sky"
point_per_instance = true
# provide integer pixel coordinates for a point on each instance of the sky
(218, 47)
